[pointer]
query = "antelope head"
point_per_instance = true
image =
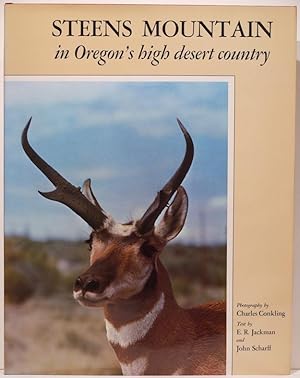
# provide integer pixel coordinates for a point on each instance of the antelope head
(122, 256)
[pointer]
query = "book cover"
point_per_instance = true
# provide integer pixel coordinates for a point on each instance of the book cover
(163, 136)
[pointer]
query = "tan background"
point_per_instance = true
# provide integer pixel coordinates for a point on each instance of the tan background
(296, 308)
(264, 135)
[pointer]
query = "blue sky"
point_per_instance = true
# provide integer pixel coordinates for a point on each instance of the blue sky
(124, 136)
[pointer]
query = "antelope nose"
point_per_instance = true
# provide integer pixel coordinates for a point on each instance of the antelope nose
(91, 285)
(86, 284)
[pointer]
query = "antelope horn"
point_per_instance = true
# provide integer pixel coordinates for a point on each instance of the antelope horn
(65, 192)
(146, 223)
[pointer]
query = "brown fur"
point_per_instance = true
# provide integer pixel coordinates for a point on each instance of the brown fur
(181, 341)
(192, 340)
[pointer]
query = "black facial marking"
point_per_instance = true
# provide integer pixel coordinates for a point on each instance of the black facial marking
(99, 275)
(147, 249)
(89, 241)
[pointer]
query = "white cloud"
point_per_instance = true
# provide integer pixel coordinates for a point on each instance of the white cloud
(19, 191)
(148, 112)
(41, 93)
(219, 202)
(97, 173)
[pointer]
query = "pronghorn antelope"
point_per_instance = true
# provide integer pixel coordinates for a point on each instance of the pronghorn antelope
(149, 332)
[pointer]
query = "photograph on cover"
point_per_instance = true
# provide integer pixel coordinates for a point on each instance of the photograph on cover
(138, 170)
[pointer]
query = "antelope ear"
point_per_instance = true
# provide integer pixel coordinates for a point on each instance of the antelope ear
(88, 193)
(174, 218)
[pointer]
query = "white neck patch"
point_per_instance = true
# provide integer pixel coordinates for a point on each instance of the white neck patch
(132, 332)
(136, 367)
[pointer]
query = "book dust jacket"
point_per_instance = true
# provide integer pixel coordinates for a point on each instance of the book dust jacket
(148, 186)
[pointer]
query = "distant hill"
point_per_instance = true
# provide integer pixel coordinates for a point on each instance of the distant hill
(48, 267)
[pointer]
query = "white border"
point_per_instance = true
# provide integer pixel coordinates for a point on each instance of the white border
(2, 188)
(286, 3)
(296, 3)
(230, 230)
(230, 167)
(296, 261)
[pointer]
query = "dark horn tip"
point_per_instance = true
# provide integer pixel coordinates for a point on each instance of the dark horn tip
(186, 134)
(24, 133)
(183, 129)
(28, 123)
(52, 195)
(44, 194)
(180, 124)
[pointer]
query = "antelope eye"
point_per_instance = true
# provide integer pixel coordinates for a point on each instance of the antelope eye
(147, 250)
(89, 242)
